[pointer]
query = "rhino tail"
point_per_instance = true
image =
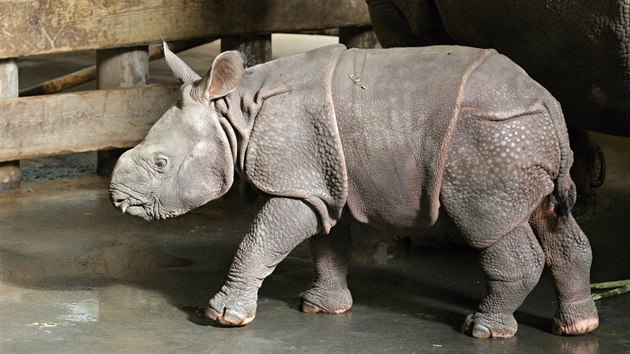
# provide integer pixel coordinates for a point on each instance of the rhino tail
(564, 194)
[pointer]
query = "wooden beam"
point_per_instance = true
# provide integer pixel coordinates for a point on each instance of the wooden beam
(83, 121)
(84, 75)
(119, 68)
(10, 174)
(55, 26)
(61, 83)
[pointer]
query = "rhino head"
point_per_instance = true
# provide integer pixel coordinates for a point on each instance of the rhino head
(187, 158)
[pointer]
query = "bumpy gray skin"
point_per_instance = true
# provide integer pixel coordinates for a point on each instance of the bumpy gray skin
(579, 50)
(394, 138)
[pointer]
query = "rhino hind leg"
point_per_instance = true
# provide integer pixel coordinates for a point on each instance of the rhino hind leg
(568, 257)
(331, 254)
(512, 266)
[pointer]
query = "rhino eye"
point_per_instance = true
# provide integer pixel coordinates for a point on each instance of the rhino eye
(160, 163)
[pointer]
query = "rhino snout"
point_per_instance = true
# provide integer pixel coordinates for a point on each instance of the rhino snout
(120, 200)
(127, 204)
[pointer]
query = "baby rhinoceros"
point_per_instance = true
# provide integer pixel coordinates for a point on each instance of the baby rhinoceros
(390, 137)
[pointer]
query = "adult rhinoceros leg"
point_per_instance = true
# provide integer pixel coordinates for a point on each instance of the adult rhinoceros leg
(588, 170)
(331, 254)
(281, 225)
(568, 256)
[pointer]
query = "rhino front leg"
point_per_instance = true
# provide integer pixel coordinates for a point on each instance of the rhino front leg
(331, 254)
(280, 226)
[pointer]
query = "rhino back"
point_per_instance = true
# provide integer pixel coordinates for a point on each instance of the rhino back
(395, 109)
(579, 50)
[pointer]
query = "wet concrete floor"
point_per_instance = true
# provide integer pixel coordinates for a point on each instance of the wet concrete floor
(78, 276)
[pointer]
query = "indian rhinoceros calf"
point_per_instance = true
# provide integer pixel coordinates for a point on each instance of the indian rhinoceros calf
(393, 137)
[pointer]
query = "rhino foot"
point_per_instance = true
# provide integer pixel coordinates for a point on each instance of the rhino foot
(483, 326)
(231, 311)
(317, 299)
(576, 318)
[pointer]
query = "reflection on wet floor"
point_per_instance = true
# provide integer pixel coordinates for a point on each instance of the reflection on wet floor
(77, 275)
(127, 259)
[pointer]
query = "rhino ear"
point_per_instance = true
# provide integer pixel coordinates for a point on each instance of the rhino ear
(182, 71)
(223, 78)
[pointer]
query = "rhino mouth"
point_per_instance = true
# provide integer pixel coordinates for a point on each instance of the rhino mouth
(134, 210)
(129, 204)
(147, 209)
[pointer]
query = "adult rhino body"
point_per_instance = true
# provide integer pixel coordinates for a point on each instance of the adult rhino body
(394, 138)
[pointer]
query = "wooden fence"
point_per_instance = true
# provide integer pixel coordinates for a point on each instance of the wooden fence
(121, 111)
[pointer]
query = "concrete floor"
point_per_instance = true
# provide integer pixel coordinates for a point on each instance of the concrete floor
(78, 276)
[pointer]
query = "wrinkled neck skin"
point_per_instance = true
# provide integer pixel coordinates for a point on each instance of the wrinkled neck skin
(236, 125)
(238, 111)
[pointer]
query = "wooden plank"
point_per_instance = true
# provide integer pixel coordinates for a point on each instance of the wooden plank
(84, 75)
(10, 174)
(55, 26)
(83, 121)
(118, 68)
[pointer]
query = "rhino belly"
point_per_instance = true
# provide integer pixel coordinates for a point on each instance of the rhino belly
(384, 196)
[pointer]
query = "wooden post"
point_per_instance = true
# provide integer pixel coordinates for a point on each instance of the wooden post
(358, 37)
(87, 74)
(257, 48)
(118, 68)
(10, 175)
